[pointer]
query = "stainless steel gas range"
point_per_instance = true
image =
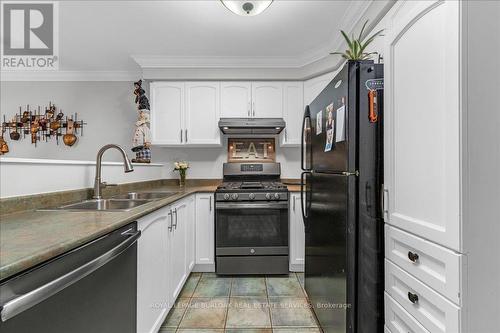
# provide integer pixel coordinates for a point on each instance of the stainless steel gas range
(251, 221)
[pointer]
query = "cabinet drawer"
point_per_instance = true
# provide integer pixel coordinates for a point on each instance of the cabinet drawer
(398, 320)
(433, 264)
(432, 310)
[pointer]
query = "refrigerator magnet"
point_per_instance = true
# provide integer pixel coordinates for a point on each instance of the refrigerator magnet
(330, 125)
(329, 140)
(319, 122)
(340, 128)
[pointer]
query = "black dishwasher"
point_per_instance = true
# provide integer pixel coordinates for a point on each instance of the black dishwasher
(89, 289)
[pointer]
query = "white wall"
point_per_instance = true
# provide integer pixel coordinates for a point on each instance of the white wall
(19, 176)
(107, 107)
(207, 162)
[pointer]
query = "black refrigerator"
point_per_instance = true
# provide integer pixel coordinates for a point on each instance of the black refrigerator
(342, 162)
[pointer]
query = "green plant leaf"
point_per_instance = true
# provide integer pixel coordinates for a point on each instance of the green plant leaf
(349, 43)
(362, 29)
(369, 40)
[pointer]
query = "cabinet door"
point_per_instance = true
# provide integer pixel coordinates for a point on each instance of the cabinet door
(205, 229)
(190, 233)
(202, 113)
(293, 111)
(314, 86)
(422, 118)
(267, 99)
(152, 277)
(167, 109)
(177, 250)
(236, 98)
(297, 235)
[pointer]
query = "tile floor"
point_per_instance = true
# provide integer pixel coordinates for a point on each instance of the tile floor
(209, 303)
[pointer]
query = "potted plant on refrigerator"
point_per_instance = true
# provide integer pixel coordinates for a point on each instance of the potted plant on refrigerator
(357, 46)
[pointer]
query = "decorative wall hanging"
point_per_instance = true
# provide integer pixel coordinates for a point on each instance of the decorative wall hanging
(40, 126)
(141, 142)
(251, 150)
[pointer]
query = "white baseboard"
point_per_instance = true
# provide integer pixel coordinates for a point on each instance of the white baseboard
(204, 268)
(296, 267)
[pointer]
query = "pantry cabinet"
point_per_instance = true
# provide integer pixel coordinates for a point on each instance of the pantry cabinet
(293, 112)
(205, 256)
(236, 99)
(296, 234)
(440, 203)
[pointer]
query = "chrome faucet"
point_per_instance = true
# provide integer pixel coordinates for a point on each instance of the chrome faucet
(97, 183)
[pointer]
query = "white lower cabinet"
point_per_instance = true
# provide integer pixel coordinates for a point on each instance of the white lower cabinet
(177, 248)
(165, 257)
(296, 234)
(434, 265)
(152, 273)
(398, 320)
(431, 310)
(205, 256)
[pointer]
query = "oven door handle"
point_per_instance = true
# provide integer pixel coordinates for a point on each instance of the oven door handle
(267, 205)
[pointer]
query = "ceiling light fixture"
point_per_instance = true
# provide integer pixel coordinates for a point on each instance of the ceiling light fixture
(246, 7)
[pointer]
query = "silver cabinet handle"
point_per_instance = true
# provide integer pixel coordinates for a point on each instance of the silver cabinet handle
(210, 203)
(181, 135)
(175, 212)
(186, 135)
(248, 111)
(294, 198)
(253, 108)
(32, 298)
(170, 220)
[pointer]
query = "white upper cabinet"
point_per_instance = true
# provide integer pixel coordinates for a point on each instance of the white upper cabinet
(422, 121)
(314, 86)
(236, 99)
(267, 99)
(167, 109)
(202, 113)
(293, 111)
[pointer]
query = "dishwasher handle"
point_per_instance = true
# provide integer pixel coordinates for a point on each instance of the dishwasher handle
(32, 298)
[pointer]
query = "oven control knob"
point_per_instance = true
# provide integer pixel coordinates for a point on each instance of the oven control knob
(234, 196)
(276, 196)
(251, 196)
(268, 196)
(226, 196)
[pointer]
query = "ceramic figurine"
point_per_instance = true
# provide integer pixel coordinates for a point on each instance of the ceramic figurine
(142, 139)
(142, 135)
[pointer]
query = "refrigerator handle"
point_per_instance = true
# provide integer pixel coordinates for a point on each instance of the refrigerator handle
(302, 142)
(303, 204)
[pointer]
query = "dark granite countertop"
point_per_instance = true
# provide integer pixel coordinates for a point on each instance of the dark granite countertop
(32, 237)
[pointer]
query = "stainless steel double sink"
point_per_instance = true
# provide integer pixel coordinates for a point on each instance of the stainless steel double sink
(120, 203)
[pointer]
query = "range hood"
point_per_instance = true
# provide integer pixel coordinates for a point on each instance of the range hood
(270, 126)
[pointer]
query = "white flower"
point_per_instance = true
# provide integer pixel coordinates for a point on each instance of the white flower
(181, 165)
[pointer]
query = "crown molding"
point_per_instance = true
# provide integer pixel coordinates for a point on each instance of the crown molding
(155, 61)
(69, 75)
